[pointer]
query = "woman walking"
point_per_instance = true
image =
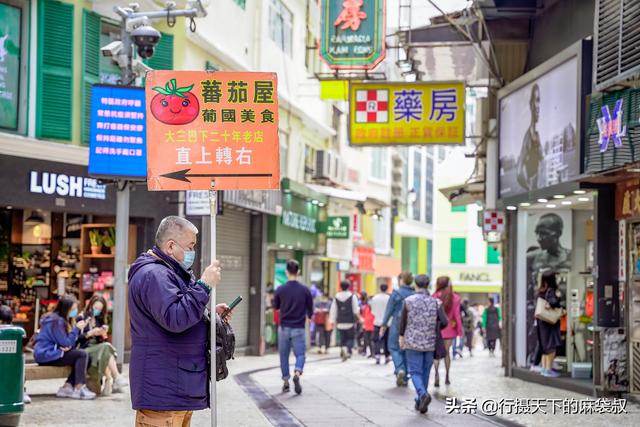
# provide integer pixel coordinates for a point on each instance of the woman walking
(549, 338)
(491, 318)
(451, 304)
(55, 347)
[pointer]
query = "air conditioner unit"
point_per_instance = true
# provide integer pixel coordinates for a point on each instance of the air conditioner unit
(325, 166)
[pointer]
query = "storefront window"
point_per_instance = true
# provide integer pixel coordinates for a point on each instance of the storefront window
(11, 47)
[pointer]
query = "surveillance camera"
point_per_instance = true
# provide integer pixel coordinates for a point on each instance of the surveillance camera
(145, 37)
(139, 67)
(112, 49)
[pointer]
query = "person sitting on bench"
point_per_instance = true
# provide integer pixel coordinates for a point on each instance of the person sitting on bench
(55, 347)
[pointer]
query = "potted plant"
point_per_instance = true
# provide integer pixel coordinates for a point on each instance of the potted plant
(109, 240)
(96, 242)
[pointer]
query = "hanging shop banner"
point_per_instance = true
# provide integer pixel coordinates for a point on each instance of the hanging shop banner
(406, 113)
(613, 139)
(539, 136)
(336, 227)
(10, 17)
(118, 143)
(204, 126)
(353, 33)
(628, 199)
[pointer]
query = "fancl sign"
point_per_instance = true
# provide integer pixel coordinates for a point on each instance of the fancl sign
(66, 185)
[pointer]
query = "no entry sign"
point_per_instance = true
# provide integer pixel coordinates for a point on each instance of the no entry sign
(204, 126)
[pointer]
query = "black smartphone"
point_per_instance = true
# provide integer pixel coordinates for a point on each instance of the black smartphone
(233, 305)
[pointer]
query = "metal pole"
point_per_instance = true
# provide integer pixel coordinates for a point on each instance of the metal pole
(213, 201)
(120, 270)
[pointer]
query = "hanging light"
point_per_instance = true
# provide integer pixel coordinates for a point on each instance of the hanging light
(35, 218)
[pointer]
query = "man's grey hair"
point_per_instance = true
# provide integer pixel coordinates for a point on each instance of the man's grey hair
(171, 227)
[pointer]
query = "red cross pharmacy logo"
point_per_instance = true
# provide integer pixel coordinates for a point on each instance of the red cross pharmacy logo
(372, 106)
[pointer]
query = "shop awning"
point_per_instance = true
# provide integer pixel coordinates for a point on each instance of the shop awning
(338, 193)
(289, 186)
(478, 289)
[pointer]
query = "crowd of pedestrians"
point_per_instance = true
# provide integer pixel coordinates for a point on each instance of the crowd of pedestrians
(409, 326)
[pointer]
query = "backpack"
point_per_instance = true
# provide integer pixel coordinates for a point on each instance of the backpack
(225, 347)
(345, 311)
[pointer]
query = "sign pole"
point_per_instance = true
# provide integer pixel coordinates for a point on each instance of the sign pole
(213, 202)
(120, 270)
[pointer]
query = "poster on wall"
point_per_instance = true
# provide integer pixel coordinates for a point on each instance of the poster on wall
(548, 238)
(10, 16)
(614, 359)
(539, 145)
(280, 273)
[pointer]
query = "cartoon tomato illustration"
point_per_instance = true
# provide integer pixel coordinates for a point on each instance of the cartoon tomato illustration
(174, 105)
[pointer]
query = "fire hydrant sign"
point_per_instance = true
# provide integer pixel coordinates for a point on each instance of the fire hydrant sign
(204, 126)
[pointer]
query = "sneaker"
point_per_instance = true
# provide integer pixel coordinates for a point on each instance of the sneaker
(344, 355)
(387, 360)
(296, 384)
(83, 394)
(400, 378)
(65, 392)
(377, 360)
(26, 398)
(550, 373)
(423, 405)
(286, 387)
(536, 369)
(417, 404)
(119, 384)
(108, 387)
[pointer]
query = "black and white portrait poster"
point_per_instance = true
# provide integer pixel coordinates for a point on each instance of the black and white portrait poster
(549, 236)
(538, 132)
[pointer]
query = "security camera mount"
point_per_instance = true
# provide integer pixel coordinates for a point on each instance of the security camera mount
(133, 19)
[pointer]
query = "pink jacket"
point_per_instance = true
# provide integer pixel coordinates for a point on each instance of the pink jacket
(453, 315)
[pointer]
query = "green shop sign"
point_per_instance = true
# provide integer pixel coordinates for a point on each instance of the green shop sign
(352, 33)
(337, 227)
(298, 221)
(10, 17)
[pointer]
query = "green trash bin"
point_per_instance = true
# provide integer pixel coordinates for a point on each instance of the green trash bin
(11, 375)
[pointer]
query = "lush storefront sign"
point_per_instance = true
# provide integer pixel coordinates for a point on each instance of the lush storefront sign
(337, 227)
(10, 17)
(352, 33)
(299, 221)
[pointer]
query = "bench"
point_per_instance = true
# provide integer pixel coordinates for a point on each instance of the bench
(33, 371)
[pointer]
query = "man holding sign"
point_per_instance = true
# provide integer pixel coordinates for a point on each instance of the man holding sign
(169, 332)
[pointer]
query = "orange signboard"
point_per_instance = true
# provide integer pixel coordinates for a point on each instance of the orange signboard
(204, 126)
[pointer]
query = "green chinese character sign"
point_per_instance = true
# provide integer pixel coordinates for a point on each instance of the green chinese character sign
(337, 227)
(352, 33)
(10, 19)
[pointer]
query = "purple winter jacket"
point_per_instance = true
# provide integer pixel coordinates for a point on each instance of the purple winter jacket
(168, 370)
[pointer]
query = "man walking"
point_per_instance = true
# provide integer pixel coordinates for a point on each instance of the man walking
(169, 330)
(418, 318)
(295, 303)
(393, 310)
(378, 307)
(344, 313)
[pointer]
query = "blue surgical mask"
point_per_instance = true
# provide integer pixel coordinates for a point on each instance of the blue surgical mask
(96, 312)
(73, 313)
(189, 258)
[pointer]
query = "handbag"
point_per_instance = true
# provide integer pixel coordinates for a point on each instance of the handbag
(547, 314)
(440, 352)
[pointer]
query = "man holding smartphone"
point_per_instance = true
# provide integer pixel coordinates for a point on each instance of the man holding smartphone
(295, 303)
(168, 371)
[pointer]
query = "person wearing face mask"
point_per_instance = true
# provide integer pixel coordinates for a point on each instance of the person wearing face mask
(169, 329)
(55, 347)
(102, 355)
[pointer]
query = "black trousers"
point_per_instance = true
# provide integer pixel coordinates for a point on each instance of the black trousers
(491, 344)
(78, 360)
(380, 342)
(347, 338)
(368, 343)
(324, 336)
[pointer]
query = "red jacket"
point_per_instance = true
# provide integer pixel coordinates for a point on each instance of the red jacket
(367, 317)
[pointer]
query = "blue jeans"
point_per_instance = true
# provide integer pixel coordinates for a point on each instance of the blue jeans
(289, 338)
(419, 363)
(397, 354)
